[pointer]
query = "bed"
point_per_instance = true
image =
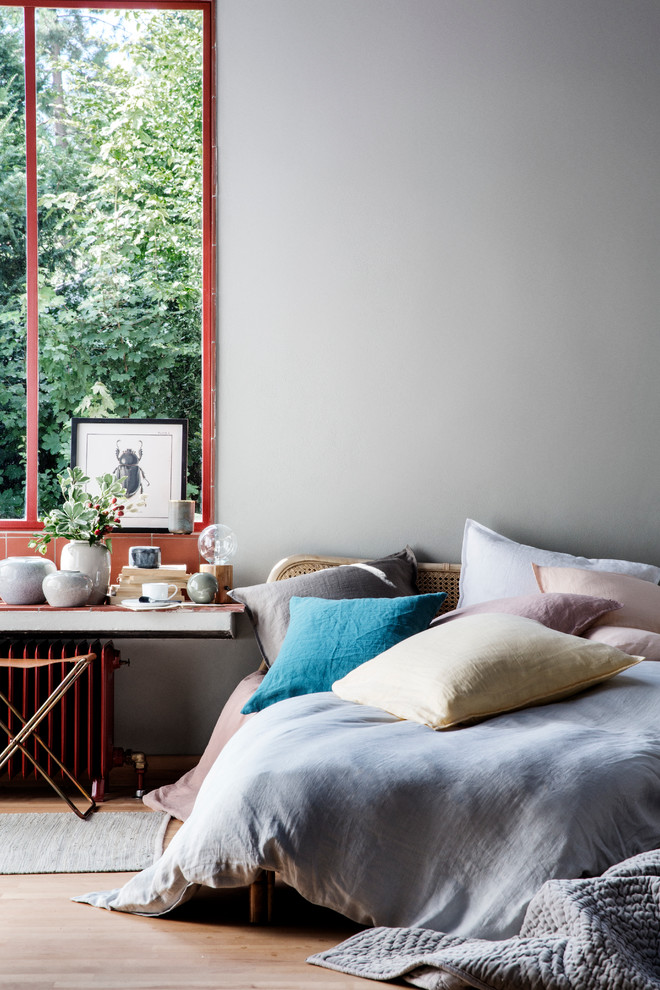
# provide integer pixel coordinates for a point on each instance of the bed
(547, 765)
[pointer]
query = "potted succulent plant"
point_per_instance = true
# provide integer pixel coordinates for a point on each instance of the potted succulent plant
(86, 521)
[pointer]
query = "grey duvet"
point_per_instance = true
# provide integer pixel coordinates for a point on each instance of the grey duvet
(393, 824)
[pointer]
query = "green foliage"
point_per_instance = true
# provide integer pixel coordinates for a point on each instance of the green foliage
(120, 252)
(98, 404)
(81, 517)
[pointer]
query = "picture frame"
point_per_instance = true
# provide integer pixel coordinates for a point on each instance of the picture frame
(149, 457)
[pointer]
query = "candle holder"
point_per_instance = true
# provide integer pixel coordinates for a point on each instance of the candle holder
(180, 515)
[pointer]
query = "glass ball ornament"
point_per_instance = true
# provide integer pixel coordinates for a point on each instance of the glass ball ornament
(202, 588)
(217, 544)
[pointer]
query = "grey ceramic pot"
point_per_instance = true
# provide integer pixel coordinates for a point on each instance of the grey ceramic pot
(21, 579)
(67, 589)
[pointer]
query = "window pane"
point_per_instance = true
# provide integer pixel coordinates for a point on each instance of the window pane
(12, 265)
(119, 112)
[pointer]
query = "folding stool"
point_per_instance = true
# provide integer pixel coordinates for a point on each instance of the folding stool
(29, 726)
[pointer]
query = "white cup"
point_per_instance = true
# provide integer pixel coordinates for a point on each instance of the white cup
(158, 591)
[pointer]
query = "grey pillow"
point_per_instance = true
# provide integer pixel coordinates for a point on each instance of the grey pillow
(268, 604)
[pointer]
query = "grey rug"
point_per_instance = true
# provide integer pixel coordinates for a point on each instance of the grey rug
(60, 842)
(601, 933)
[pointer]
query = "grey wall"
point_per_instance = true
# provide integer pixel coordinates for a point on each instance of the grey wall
(438, 293)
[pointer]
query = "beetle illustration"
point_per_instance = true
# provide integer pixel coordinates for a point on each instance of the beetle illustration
(128, 470)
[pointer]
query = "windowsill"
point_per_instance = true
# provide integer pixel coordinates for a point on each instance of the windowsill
(187, 607)
(91, 622)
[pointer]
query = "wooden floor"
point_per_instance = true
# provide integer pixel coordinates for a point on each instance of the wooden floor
(52, 943)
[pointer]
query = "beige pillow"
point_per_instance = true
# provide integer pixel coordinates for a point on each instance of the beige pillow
(485, 664)
(640, 599)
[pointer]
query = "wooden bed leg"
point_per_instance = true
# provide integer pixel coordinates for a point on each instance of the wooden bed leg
(261, 898)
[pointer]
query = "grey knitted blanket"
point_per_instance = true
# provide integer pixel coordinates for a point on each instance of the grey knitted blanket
(599, 933)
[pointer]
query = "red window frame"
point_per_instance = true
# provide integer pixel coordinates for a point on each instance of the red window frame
(209, 203)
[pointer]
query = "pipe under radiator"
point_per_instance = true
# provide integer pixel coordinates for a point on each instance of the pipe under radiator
(79, 731)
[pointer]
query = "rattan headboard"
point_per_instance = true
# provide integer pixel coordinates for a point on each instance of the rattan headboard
(430, 577)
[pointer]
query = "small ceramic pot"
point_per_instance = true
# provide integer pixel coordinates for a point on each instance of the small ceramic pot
(21, 579)
(181, 515)
(67, 589)
(144, 557)
(202, 588)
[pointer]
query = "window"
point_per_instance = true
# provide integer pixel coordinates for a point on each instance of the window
(106, 233)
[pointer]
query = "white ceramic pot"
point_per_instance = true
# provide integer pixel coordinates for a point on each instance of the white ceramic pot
(92, 560)
(21, 579)
(67, 589)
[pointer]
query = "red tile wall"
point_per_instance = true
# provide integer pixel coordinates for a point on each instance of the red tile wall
(175, 549)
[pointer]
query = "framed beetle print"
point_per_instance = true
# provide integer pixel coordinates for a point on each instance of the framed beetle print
(148, 456)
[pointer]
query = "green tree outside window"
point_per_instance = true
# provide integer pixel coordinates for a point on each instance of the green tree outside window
(120, 230)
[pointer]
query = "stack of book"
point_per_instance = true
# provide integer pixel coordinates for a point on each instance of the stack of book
(131, 580)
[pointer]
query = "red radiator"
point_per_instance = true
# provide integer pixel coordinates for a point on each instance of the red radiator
(80, 730)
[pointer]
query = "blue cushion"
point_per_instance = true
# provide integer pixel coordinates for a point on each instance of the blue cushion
(326, 639)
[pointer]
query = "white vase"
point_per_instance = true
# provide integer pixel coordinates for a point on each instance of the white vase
(92, 560)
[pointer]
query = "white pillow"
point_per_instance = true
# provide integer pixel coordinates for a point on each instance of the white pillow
(493, 566)
(485, 664)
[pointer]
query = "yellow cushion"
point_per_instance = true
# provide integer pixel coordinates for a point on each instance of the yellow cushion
(478, 666)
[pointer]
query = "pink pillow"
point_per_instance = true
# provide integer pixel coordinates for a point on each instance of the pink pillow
(178, 798)
(565, 613)
(637, 642)
(641, 599)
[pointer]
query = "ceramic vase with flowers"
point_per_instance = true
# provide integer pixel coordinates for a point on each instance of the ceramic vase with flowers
(86, 521)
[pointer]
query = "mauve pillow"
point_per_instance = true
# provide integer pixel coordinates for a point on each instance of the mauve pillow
(641, 600)
(267, 604)
(565, 613)
(638, 642)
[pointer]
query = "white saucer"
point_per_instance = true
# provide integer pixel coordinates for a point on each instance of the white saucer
(137, 606)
